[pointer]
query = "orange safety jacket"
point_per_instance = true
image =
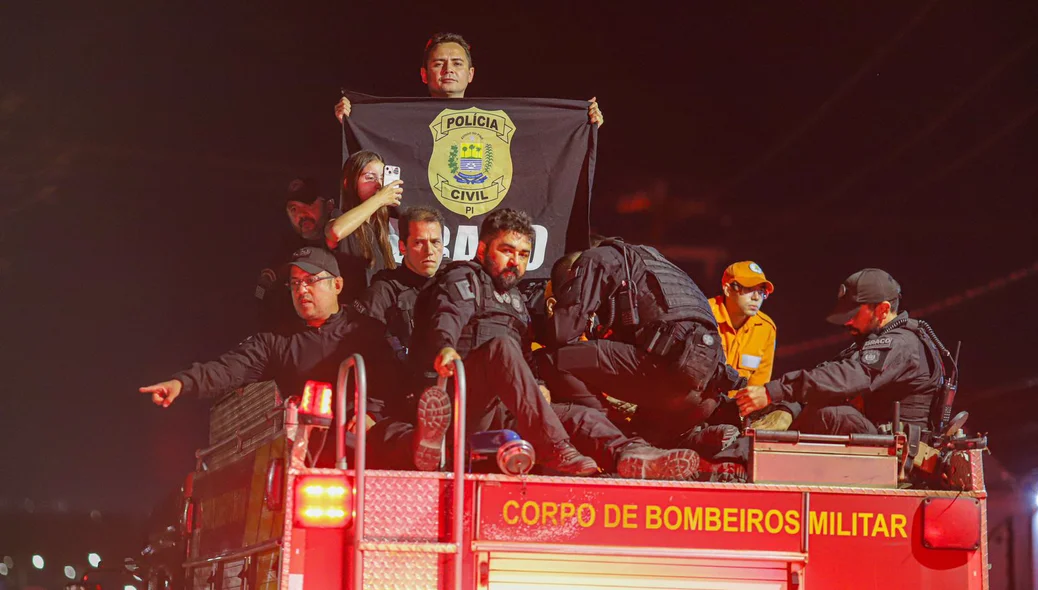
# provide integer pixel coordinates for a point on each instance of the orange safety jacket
(751, 348)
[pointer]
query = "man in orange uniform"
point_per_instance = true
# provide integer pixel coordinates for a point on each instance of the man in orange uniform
(747, 333)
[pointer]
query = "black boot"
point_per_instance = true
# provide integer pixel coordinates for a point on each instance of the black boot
(567, 460)
(645, 462)
(709, 440)
(434, 418)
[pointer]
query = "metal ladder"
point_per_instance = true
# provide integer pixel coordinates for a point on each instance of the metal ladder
(355, 363)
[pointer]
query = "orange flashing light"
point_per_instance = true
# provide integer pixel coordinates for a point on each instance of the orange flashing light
(317, 399)
(323, 501)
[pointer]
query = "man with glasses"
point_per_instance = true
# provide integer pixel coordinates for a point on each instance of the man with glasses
(747, 333)
(310, 350)
(308, 212)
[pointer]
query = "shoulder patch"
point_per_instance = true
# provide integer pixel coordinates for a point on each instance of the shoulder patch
(881, 343)
(874, 358)
(464, 289)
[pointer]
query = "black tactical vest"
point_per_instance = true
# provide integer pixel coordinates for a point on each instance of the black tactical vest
(497, 314)
(400, 316)
(664, 292)
(917, 394)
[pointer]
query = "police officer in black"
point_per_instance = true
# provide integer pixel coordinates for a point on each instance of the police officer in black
(894, 359)
(474, 311)
(391, 297)
(654, 339)
(311, 349)
(390, 301)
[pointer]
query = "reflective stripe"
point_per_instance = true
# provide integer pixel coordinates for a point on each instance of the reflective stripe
(749, 361)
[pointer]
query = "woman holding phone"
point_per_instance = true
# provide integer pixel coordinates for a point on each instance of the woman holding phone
(360, 234)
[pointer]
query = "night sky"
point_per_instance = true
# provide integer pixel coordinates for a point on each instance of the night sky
(146, 150)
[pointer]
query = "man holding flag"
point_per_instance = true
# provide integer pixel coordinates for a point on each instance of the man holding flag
(447, 71)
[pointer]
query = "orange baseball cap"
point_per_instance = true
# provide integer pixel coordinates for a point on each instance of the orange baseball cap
(748, 274)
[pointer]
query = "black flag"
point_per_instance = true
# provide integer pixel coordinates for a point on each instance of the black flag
(468, 157)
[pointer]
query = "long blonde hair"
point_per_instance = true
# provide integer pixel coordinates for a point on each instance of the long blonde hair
(374, 230)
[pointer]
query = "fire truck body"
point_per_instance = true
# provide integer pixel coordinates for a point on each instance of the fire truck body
(259, 517)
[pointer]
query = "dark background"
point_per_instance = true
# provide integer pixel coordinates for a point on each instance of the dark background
(146, 149)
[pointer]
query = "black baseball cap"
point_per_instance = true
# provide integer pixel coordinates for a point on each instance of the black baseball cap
(303, 190)
(870, 285)
(313, 260)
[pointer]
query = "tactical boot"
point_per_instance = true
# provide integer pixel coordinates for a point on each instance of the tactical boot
(645, 462)
(722, 471)
(434, 417)
(777, 420)
(567, 460)
(710, 440)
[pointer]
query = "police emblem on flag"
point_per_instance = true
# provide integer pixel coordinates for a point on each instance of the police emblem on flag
(470, 169)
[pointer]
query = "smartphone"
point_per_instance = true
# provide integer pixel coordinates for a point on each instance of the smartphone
(390, 174)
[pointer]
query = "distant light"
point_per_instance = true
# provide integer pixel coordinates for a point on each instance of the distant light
(3, 569)
(70, 572)
(37, 561)
(129, 587)
(94, 559)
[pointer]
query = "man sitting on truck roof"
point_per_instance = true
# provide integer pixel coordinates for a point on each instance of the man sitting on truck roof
(473, 311)
(894, 359)
(310, 350)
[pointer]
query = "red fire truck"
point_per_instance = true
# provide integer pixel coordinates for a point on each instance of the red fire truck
(820, 512)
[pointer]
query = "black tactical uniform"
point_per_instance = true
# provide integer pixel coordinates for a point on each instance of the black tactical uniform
(391, 299)
(461, 309)
(856, 391)
(666, 357)
(290, 357)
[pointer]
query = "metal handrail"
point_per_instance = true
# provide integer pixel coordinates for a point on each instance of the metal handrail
(360, 408)
(794, 437)
(459, 467)
(359, 463)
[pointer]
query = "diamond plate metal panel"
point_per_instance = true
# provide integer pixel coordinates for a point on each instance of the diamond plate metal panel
(405, 571)
(407, 509)
(236, 412)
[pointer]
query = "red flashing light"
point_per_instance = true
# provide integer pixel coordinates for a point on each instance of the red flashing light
(323, 501)
(951, 523)
(317, 399)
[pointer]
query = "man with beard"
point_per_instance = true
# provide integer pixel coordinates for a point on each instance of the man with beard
(473, 311)
(894, 359)
(308, 213)
(447, 71)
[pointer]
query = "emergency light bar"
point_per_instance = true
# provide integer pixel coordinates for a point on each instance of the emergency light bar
(316, 404)
(323, 501)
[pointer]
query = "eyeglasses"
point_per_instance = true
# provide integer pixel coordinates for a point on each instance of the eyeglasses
(309, 282)
(760, 290)
(371, 177)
